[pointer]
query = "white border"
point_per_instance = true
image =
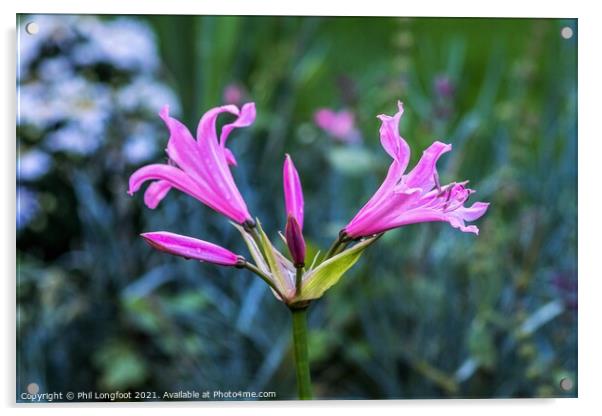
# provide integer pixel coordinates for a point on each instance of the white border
(590, 212)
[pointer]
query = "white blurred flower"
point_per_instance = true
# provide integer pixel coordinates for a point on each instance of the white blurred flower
(27, 206)
(55, 69)
(70, 103)
(125, 43)
(33, 165)
(141, 146)
(87, 104)
(146, 93)
(73, 139)
(35, 107)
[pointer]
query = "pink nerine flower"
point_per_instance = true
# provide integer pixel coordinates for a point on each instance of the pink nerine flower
(191, 248)
(233, 94)
(293, 201)
(416, 196)
(201, 167)
(339, 125)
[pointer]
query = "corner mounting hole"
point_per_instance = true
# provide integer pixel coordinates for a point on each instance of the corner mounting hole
(32, 28)
(566, 32)
(566, 384)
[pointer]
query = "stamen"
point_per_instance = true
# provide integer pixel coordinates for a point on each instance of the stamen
(466, 192)
(448, 189)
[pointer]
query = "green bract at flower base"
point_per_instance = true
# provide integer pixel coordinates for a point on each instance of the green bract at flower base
(280, 273)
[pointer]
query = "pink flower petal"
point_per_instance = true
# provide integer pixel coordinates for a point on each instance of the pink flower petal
(170, 174)
(203, 166)
(245, 118)
(182, 149)
(191, 248)
(423, 174)
(476, 211)
(184, 183)
(230, 157)
(213, 160)
(293, 193)
(155, 193)
(390, 139)
(408, 199)
(384, 215)
(378, 199)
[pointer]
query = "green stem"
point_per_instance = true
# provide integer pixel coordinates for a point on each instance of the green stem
(333, 248)
(342, 247)
(264, 277)
(298, 281)
(256, 237)
(301, 355)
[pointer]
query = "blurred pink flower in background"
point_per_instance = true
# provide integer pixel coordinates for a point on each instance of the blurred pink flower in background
(234, 94)
(444, 86)
(340, 125)
(444, 90)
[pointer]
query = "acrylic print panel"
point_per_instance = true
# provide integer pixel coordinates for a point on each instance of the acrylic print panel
(314, 173)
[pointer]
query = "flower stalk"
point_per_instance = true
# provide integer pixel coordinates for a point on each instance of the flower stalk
(299, 321)
(338, 245)
(262, 275)
(299, 280)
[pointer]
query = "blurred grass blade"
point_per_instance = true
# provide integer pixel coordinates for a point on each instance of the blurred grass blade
(541, 317)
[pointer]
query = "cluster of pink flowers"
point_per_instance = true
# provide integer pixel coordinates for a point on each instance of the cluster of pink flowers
(201, 168)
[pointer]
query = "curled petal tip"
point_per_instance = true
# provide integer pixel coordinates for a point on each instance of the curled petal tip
(441, 146)
(471, 229)
(249, 106)
(247, 114)
(391, 141)
(164, 113)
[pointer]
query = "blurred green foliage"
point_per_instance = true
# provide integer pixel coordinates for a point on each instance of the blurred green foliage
(428, 312)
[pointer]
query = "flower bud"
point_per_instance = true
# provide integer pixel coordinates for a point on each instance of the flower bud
(295, 241)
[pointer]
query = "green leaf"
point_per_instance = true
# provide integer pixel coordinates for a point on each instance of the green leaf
(276, 264)
(327, 274)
